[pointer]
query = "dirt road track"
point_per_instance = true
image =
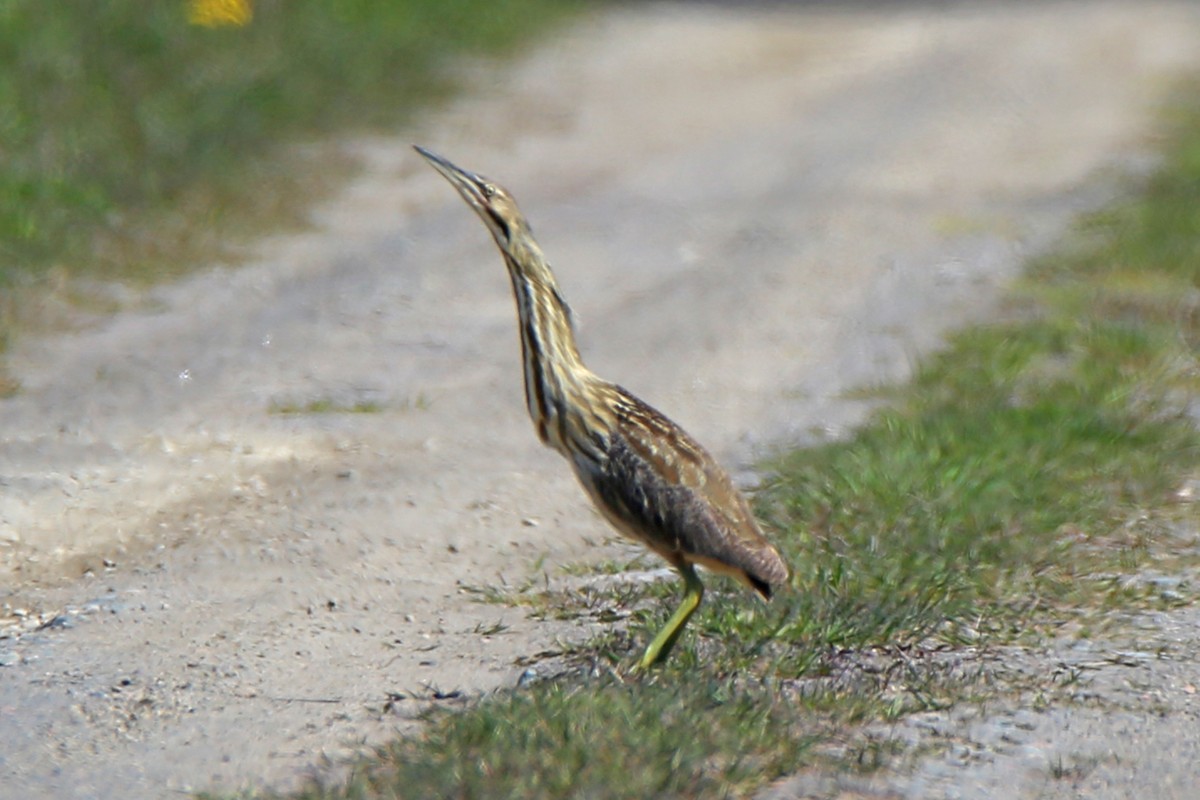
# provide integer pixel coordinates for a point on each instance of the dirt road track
(751, 209)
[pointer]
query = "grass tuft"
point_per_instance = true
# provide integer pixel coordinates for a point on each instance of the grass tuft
(610, 740)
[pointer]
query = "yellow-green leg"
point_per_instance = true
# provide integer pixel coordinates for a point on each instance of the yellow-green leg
(693, 593)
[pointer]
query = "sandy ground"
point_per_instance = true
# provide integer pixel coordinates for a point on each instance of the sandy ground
(751, 208)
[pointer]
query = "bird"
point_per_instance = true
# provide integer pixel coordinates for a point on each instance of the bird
(651, 480)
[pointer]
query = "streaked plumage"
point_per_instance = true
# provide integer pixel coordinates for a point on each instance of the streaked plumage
(647, 476)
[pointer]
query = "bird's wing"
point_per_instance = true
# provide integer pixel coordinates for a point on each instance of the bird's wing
(660, 486)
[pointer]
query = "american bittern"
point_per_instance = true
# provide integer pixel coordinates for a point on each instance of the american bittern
(651, 480)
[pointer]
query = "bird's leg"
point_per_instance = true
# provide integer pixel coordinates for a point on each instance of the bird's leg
(693, 593)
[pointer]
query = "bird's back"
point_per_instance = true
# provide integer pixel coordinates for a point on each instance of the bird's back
(659, 486)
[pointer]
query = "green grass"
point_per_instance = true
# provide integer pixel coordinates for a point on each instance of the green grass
(324, 406)
(975, 491)
(558, 742)
(111, 110)
(329, 405)
(134, 145)
(1003, 492)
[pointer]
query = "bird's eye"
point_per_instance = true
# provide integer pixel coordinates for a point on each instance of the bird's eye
(489, 191)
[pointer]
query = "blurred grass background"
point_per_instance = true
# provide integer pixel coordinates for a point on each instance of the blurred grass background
(115, 114)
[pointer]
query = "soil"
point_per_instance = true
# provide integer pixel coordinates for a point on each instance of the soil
(752, 209)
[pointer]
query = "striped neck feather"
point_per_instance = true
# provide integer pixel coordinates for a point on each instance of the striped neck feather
(557, 384)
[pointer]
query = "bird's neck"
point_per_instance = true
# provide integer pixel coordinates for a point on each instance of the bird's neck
(558, 386)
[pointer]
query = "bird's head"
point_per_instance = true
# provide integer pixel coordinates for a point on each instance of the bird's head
(491, 202)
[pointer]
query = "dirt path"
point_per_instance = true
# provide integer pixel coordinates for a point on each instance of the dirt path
(750, 209)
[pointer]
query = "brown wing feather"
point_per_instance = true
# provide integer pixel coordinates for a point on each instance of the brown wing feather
(659, 486)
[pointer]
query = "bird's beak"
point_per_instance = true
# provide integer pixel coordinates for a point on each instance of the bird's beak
(477, 191)
(467, 183)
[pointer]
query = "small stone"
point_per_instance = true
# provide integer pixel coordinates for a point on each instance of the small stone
(57, 623)
(1189, 491)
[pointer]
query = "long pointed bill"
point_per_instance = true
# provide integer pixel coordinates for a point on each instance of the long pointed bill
(475, 189)
(453, 173)
(468, 184)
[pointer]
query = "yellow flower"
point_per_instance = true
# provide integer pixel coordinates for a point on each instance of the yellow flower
(219, 13)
